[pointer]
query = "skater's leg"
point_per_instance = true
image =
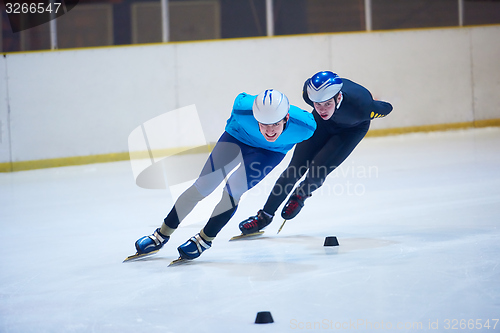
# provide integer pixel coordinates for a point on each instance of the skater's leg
(258, 163)
(223, 212)
(334, 152)
(225, 156)
(182, 207)
(202, 241)
(299, 165)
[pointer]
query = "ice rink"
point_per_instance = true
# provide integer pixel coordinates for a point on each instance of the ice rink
(417, 217)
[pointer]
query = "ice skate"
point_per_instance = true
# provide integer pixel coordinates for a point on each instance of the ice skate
(148, 245)
(247, 236)
(191, 249)
(293, 206)
(255, 223)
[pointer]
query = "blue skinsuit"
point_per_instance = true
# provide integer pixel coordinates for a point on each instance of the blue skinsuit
(243, 150)
(243, 126)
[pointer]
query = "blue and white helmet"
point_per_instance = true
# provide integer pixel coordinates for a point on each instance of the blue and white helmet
(270, 106)
(323, 86)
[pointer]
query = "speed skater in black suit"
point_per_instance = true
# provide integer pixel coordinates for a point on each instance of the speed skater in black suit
(343, 110)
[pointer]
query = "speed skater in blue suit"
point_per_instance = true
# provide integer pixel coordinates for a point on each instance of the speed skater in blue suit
(342, 111)
(257, 136)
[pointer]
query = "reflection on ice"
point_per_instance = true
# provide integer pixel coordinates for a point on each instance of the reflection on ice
(418, 248)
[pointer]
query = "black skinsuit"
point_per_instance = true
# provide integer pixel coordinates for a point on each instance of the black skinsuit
(332, 142)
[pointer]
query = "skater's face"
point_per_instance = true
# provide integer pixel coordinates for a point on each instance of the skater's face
(327, 108)
(273, 131)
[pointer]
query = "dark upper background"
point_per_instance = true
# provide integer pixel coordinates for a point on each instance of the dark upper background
(120, 22)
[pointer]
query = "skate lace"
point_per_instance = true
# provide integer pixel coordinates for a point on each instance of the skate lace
(292, 205)
(251, 224)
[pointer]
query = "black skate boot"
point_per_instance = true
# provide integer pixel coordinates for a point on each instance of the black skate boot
(293, 206)
(256, 223)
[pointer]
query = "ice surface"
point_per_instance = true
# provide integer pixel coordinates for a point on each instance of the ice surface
(416, 217)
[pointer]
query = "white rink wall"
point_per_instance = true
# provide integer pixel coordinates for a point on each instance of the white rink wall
(85, 102)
